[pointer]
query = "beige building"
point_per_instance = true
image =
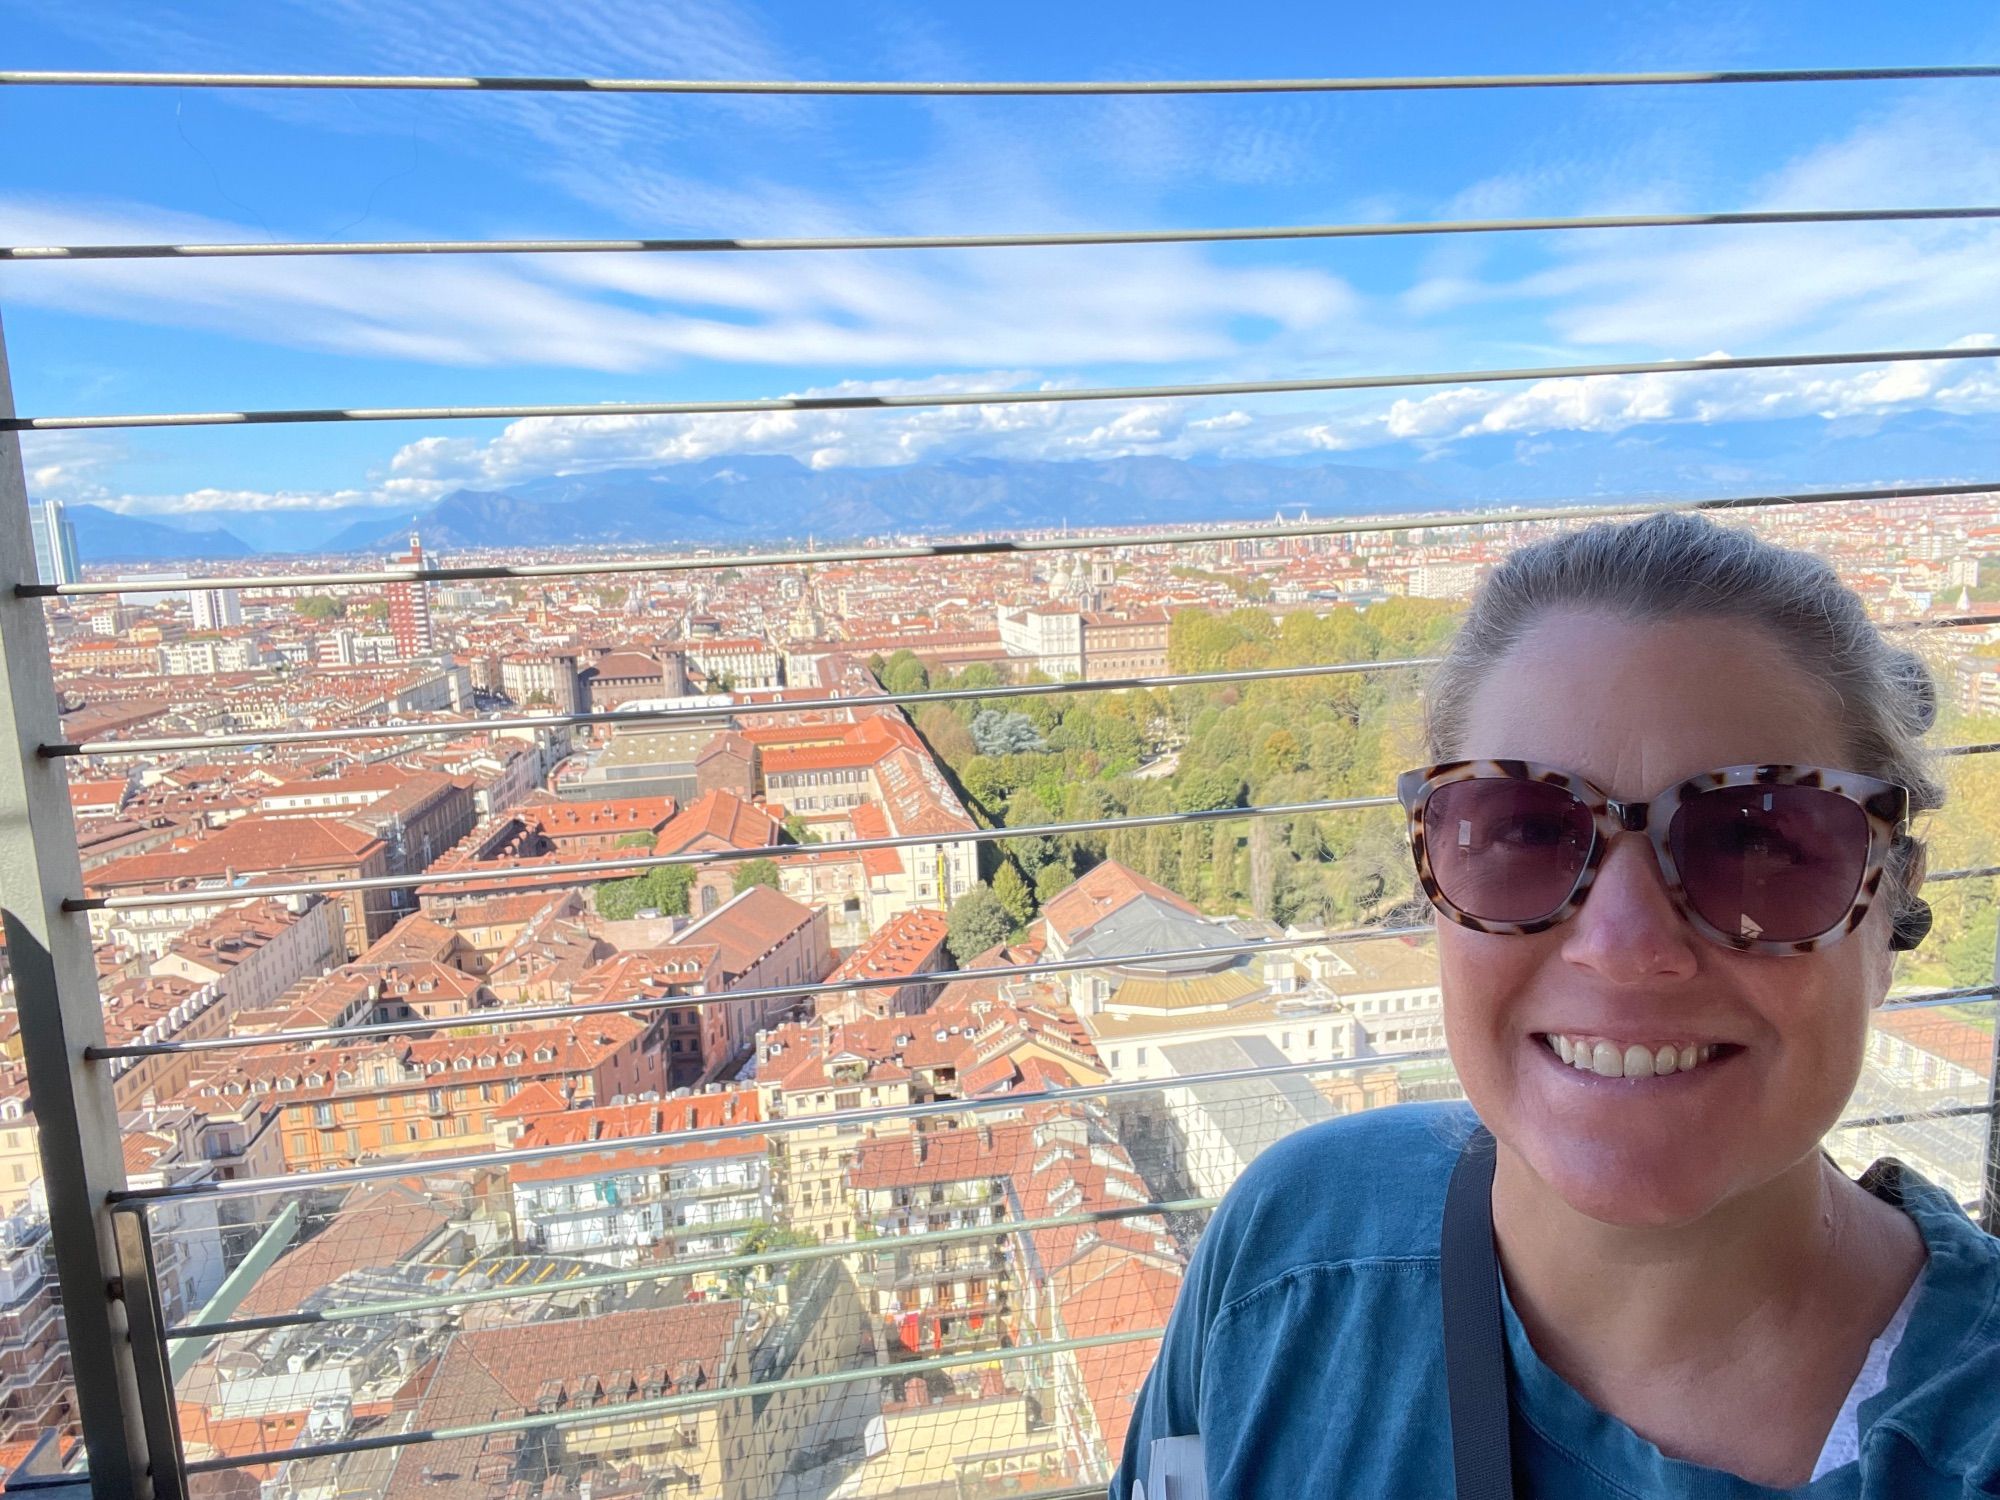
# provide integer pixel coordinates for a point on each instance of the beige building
(986, 1443)
(1308, 1004)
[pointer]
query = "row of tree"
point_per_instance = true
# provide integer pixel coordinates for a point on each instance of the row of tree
(1203, 751)
(1337, 736)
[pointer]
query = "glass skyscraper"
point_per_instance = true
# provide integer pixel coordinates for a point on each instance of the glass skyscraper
(55, 543)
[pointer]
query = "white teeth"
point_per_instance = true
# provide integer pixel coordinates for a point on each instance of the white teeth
(1610, 1059)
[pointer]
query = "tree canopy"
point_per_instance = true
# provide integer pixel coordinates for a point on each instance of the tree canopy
(976, 922)
(663, 889)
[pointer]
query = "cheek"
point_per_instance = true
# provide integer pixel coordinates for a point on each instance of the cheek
(1484, 977)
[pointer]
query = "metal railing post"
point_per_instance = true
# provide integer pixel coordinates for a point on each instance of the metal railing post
(55, 989)
(1989, 1198)
(148, 1322)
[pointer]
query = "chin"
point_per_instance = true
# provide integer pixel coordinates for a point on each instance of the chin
(1632, 1189)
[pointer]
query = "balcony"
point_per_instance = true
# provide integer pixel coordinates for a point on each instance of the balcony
(368, 1317)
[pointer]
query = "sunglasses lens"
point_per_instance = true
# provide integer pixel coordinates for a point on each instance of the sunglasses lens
(1505, 850)
(1781, 863)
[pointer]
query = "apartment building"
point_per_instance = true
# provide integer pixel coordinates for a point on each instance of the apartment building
(636, 1204)
(399, 1096)
(209, 869)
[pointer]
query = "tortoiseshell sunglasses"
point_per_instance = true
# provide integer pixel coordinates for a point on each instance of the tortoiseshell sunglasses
(1775, 859)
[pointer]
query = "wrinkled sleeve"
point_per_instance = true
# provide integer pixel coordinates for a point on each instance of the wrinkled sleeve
(1169, 1402)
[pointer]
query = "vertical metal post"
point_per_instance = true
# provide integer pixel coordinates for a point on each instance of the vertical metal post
(148, 1323)
(1989, 1199)
(55, 988)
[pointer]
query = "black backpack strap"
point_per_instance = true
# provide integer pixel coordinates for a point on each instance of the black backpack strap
(1475, 1339)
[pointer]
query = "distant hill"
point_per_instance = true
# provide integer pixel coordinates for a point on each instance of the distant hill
(769, 498)
(763, 498)
(104, 536)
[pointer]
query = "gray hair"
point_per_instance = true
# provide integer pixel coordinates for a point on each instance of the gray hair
(1681, 565)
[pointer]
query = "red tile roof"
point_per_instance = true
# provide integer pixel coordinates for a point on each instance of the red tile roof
(905, 944)
(249, 846)
(1109, 886)
(719, 820)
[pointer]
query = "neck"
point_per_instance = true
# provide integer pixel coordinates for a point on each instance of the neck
(1603, 1303)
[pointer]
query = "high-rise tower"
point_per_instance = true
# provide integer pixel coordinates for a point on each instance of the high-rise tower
(410, 607)
(55, 543)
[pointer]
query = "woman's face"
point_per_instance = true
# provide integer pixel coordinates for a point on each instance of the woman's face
(1636, 708)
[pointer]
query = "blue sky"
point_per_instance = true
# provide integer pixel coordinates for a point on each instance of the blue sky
(168, 163)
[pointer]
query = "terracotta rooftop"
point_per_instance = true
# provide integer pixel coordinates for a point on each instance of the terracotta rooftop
(249, 846)
(1108, 886)
(718, 819)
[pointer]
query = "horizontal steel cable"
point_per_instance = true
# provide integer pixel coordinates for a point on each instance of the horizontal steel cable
(921, 400)
(1186, 537)
(298, 1182)
(357, 1311)
(757, 708)
(732, 245)
(521, 1015)
(495, 83)
(1914, 1117)
(702, 715)
(241, 1187)
(352, 1312)
(585, 870)
(626, 1411)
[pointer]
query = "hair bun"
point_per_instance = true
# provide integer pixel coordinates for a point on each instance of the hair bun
(1918, 688)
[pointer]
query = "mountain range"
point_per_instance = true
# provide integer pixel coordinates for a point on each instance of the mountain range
(105, 536)
(762, 498)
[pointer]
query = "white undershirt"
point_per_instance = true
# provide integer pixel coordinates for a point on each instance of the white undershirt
(1843, 1444)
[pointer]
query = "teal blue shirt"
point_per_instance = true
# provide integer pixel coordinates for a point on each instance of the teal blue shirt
(1306, 1346)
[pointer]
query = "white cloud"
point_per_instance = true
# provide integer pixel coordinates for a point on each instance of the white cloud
(1006, 319)
(211, 501)
(1884, 285)
(1062, 307)
(1615, 403)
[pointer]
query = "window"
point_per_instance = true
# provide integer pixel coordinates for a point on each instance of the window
(322, 1114)
(847, 1099)
(1142, 1057)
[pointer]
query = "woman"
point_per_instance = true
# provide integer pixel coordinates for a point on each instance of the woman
(1696, 1300)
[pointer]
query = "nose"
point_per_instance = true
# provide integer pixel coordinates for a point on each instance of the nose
(1628, 929)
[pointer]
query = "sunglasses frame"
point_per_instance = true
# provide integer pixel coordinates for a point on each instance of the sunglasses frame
(1885, 804)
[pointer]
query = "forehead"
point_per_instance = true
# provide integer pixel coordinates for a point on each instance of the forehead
(1639, 705)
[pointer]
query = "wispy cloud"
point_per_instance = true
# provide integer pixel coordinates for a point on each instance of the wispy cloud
(640, 313)
(1615, 403)
(1854, 285)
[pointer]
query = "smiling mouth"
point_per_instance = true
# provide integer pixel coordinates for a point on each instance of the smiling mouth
(1611, 1057)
